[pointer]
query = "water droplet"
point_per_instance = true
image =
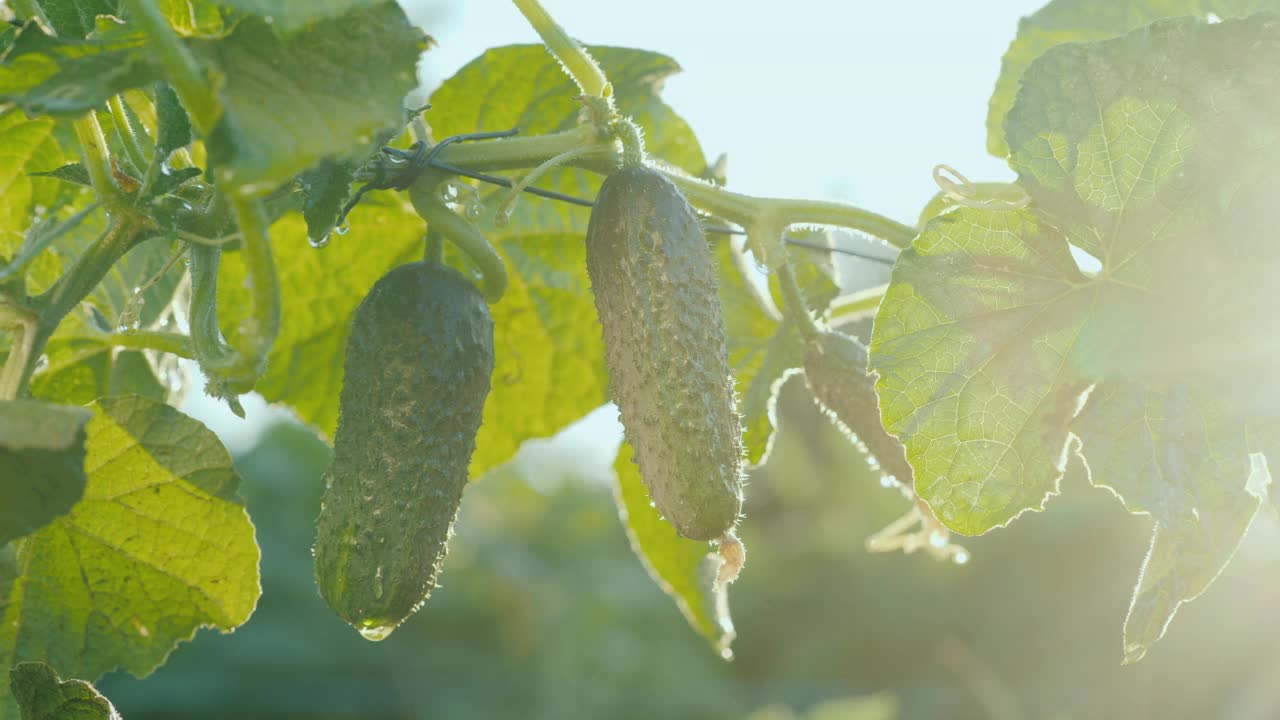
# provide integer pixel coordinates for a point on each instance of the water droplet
(448, 193)
(938, 539)
(888, 481)
(319, 242)
(474, 211)
(42, 363)
(131, 316)
(961, 557)
(344, 228)
(502, 219)
(374, 632)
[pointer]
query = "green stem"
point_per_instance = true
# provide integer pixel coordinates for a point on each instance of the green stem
(795, 306)
(128, 136)
(167, 342)
(93, 264)
(744, 210)
(461, 233)
(183, 72)
(258, 334)
(22, 323)
(509, 201)
(206, 336)
(576, 61)
(93, 144)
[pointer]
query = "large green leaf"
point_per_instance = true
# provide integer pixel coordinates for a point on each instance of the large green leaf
(550, 360)
(1154, 153)
(159, 546)
(30, 147)
(292, 15)
(73, 18)
(1075, 21)
(683, 568)
(319, 292)
(42, 695)
(41, 464)
(68, 77)
(327, 91)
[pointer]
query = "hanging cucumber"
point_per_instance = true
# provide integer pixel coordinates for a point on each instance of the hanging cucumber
(654, 282)
(418, 370)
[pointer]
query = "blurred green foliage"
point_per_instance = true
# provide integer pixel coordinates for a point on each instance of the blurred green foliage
(545, 613)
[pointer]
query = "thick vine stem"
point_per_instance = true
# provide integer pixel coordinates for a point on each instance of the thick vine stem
(577, 62)
(184, 73)
(457, 230)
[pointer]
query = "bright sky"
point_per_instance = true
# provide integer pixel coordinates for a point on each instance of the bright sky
(842, 100)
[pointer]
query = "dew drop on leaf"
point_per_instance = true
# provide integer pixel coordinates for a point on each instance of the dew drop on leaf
(319, 242)
(344, 228)
(42, 363)
(961, 557)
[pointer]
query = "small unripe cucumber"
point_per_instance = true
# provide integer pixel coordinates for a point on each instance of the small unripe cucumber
(418, 369)
(835, 369)
(654, 282)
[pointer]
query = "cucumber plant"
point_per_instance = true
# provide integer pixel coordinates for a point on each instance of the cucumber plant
(209, 182)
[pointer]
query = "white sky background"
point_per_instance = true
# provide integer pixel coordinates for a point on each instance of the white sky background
(821, 99)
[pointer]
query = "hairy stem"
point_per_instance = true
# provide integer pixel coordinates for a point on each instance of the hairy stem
(440, 219)
(128, 136)
(167, 342)
(93, 145)
(184, 73)
(795, 306)
(576, 61)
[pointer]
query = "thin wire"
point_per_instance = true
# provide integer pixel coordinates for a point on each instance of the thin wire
(417, 158)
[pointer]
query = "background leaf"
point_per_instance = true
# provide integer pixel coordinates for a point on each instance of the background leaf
(41, 464)
(32, 148)
(327, 91)
(684, 569)
(1075, 21)
(1149, 152)
(158, 547)
(42, 695)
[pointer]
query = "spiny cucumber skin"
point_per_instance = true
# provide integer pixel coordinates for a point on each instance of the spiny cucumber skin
(654, 281)
(418, 368)
(835, 369)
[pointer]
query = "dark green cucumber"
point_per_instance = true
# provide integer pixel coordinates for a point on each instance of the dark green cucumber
(418, 369)
(654, 282)
(835, 369)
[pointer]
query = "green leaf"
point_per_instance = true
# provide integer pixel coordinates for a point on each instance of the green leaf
(74, 18)
(319, 292)
(65, 77)
(326, 190)
(1080, 21)
(192, 18)
(1153, 153)
(173, 126)
(42, 695)
(159, 546)
(41, 464)
(684, 569)
(550, 358)
(31, 148)
(1181, 455)
(292, 15)
(327, 91)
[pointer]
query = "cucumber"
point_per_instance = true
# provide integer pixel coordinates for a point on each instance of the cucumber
(418, 369)
(654, 282)
(835, 369)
